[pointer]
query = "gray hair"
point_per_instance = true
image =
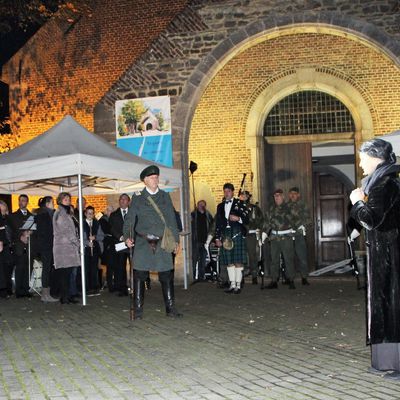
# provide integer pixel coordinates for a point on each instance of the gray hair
(379, 148)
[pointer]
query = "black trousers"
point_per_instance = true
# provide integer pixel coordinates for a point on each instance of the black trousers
(164, 276)
(47, 262)
(91, 270)
(120, 271)
(64, 277)
(22, 275)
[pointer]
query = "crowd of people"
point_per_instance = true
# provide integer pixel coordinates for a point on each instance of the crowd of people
(52, 236)
(240, 231)
(251, 241)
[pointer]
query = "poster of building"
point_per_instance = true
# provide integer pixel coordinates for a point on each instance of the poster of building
(143, 127)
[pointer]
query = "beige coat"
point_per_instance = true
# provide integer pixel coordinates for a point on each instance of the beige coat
(66, 241)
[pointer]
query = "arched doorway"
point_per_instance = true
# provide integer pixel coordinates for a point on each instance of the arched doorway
(223, 115)
(297, 131)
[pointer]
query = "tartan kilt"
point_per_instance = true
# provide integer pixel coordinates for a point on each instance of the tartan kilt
(238, 255)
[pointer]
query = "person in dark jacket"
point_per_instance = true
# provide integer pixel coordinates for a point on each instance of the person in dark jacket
(21, 249)
(6, 263)
(148, 225)
(230, 220)
(201, 220)
(93, 241)
(376, 207)
(108, 244)
(43, 239)
(120, 258)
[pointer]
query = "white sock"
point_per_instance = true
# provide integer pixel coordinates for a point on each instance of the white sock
(238, 277)
(231, 275)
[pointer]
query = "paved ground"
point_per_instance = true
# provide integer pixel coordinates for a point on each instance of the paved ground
(307, 343)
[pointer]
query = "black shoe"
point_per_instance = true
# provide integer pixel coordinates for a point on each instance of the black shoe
(272, 285)
(229, 290)
(392, 376)
(237, 290)
(291, 285)
(64, 300)
(254, 281)
(305, 282)
(375, 371)
(73, 300)
(123, 293)
(173, 313)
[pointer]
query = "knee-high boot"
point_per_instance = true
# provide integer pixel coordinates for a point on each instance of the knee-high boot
(169, 297)
(138, 288)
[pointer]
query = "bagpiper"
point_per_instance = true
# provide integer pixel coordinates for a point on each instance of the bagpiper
(232, 215)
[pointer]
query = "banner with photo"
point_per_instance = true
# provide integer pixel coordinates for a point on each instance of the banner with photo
(143, 127)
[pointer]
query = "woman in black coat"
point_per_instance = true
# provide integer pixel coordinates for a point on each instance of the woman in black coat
(376, 206)
(44, 243)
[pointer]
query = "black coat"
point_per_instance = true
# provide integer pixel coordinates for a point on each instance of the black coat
(116, 225)
(17, 219)
(43, 237)
(239, 209)
(380, 216)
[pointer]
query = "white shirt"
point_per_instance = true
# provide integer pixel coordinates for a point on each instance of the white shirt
(228, 206)
(124, 211)
(149, 191)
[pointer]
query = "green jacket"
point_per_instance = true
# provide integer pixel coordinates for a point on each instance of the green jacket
(142, 219)
(301, 216)
(256, 217)
(279, 218)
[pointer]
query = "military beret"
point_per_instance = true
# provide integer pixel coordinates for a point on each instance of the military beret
(278, 191)
(150, 170)
(229, 186)
(294, 189)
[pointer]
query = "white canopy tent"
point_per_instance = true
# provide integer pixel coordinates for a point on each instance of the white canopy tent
(69, 158)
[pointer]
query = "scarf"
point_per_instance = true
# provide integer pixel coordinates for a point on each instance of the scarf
(383, 169)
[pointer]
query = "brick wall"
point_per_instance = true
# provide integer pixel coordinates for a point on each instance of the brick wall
(217, 137)
(68, 66)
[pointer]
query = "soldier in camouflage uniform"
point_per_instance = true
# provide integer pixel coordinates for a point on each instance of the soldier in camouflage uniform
(253, 236)
(302, 220)
(279, 223)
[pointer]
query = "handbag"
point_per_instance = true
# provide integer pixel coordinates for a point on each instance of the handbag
(168, 242)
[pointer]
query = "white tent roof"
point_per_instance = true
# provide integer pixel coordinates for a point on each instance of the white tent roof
(54, 159)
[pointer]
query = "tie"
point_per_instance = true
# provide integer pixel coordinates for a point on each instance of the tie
(228, 201)
(123, 214)
(24, 212)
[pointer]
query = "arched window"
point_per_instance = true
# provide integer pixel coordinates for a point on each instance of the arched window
(308, 112)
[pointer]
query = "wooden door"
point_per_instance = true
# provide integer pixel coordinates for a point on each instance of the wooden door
(289, 165)
(331, 212)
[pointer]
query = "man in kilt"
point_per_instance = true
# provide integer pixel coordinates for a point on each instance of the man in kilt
(232, 215)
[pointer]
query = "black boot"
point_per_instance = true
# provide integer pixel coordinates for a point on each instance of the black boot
(272, 285)
(169, 298)
(138, 293)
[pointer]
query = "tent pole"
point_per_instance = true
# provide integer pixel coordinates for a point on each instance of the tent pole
(81, 240)
(184, 246)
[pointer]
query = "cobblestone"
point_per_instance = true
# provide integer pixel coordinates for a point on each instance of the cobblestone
(258, 345)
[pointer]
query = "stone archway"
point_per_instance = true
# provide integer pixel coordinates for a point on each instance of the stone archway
(261, 31)
(310, 78)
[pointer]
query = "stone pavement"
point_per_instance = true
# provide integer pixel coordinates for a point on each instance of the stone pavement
(307, 343)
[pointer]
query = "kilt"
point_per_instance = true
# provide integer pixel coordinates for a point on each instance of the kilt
(238, 255)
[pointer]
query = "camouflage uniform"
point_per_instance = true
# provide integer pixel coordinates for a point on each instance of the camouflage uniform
(301, 219)
(278, 223)
(256, 222)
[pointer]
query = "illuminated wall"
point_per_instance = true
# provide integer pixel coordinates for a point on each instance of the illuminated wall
(217, 136)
